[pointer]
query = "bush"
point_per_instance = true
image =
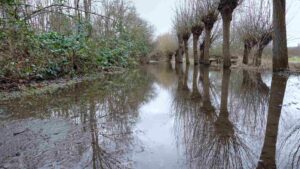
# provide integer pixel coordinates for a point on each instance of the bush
(38, 51)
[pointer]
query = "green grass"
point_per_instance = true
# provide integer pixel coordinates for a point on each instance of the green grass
(295, 59)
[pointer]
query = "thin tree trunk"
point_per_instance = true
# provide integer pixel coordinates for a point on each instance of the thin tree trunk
(226, 39)
(186, 51)
(258, 56)
(87, 11)
(207, 46)
(195, 45)
(247, 50)
(280, 52)
(78, 15)
(268, 155)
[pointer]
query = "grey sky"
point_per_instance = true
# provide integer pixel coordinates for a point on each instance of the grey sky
(160, 13)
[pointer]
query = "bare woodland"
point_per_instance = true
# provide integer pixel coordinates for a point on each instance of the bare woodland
(257, 24)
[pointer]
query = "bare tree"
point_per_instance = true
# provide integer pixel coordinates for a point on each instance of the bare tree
(210, 16)
(197, 27)
(215, 35)
(178, 30)
(256, 28)
(226, 8)
(183, 29)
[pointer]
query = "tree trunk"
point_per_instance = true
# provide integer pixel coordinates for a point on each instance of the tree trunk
(224, 127)
(225, 87)
(179, 72)
(206, 84)
(207, 106)
(195, 44)
(170, 56)
(207, 46)
(280, 52)
(226, 16)
(195, 92)
(78, 15)
(87, 11)
(186, 52)
(268, 154)
(179, 54)
(201, 60)
(186, 77)
(247, 50)
(258, 55)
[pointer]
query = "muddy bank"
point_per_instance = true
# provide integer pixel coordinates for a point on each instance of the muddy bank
(52, 143)
(36, 143)
(22, 89)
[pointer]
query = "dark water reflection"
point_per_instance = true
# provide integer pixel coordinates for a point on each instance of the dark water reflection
(161, 116)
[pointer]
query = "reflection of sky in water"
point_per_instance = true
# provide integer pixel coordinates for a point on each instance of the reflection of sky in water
(156, 124)
(172, 130)
(289, 128)
(249, 122)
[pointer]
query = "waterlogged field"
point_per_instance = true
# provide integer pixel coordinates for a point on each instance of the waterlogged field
(294, 59)
(158, 117)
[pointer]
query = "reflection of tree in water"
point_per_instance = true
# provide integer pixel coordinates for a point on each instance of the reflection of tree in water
(267, 158)
(107, 109)
(227, 147)
(186, 77)
(181, 94)
(195, 91)
(164, 74)
(291, 144)
(211, 140)
(253, 99)
(121, 111)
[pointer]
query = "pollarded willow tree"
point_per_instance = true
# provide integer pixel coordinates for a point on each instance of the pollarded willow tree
(226, 8)
(245, 33)
(256, 28)
(197, 26)
(214, 37)
(178, 29)
(210, 16)
(182, 25)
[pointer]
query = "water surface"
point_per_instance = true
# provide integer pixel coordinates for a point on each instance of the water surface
(158, 117)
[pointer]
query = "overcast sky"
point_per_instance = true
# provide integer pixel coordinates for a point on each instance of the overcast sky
(160, 13)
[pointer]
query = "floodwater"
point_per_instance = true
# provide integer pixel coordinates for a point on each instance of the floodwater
(158, 117)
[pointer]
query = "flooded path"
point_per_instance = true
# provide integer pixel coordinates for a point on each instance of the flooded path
(158, 117)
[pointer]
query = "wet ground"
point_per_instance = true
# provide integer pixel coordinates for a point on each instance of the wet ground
(158, 117)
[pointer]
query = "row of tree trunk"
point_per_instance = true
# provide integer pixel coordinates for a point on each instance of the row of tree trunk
(279, 37)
